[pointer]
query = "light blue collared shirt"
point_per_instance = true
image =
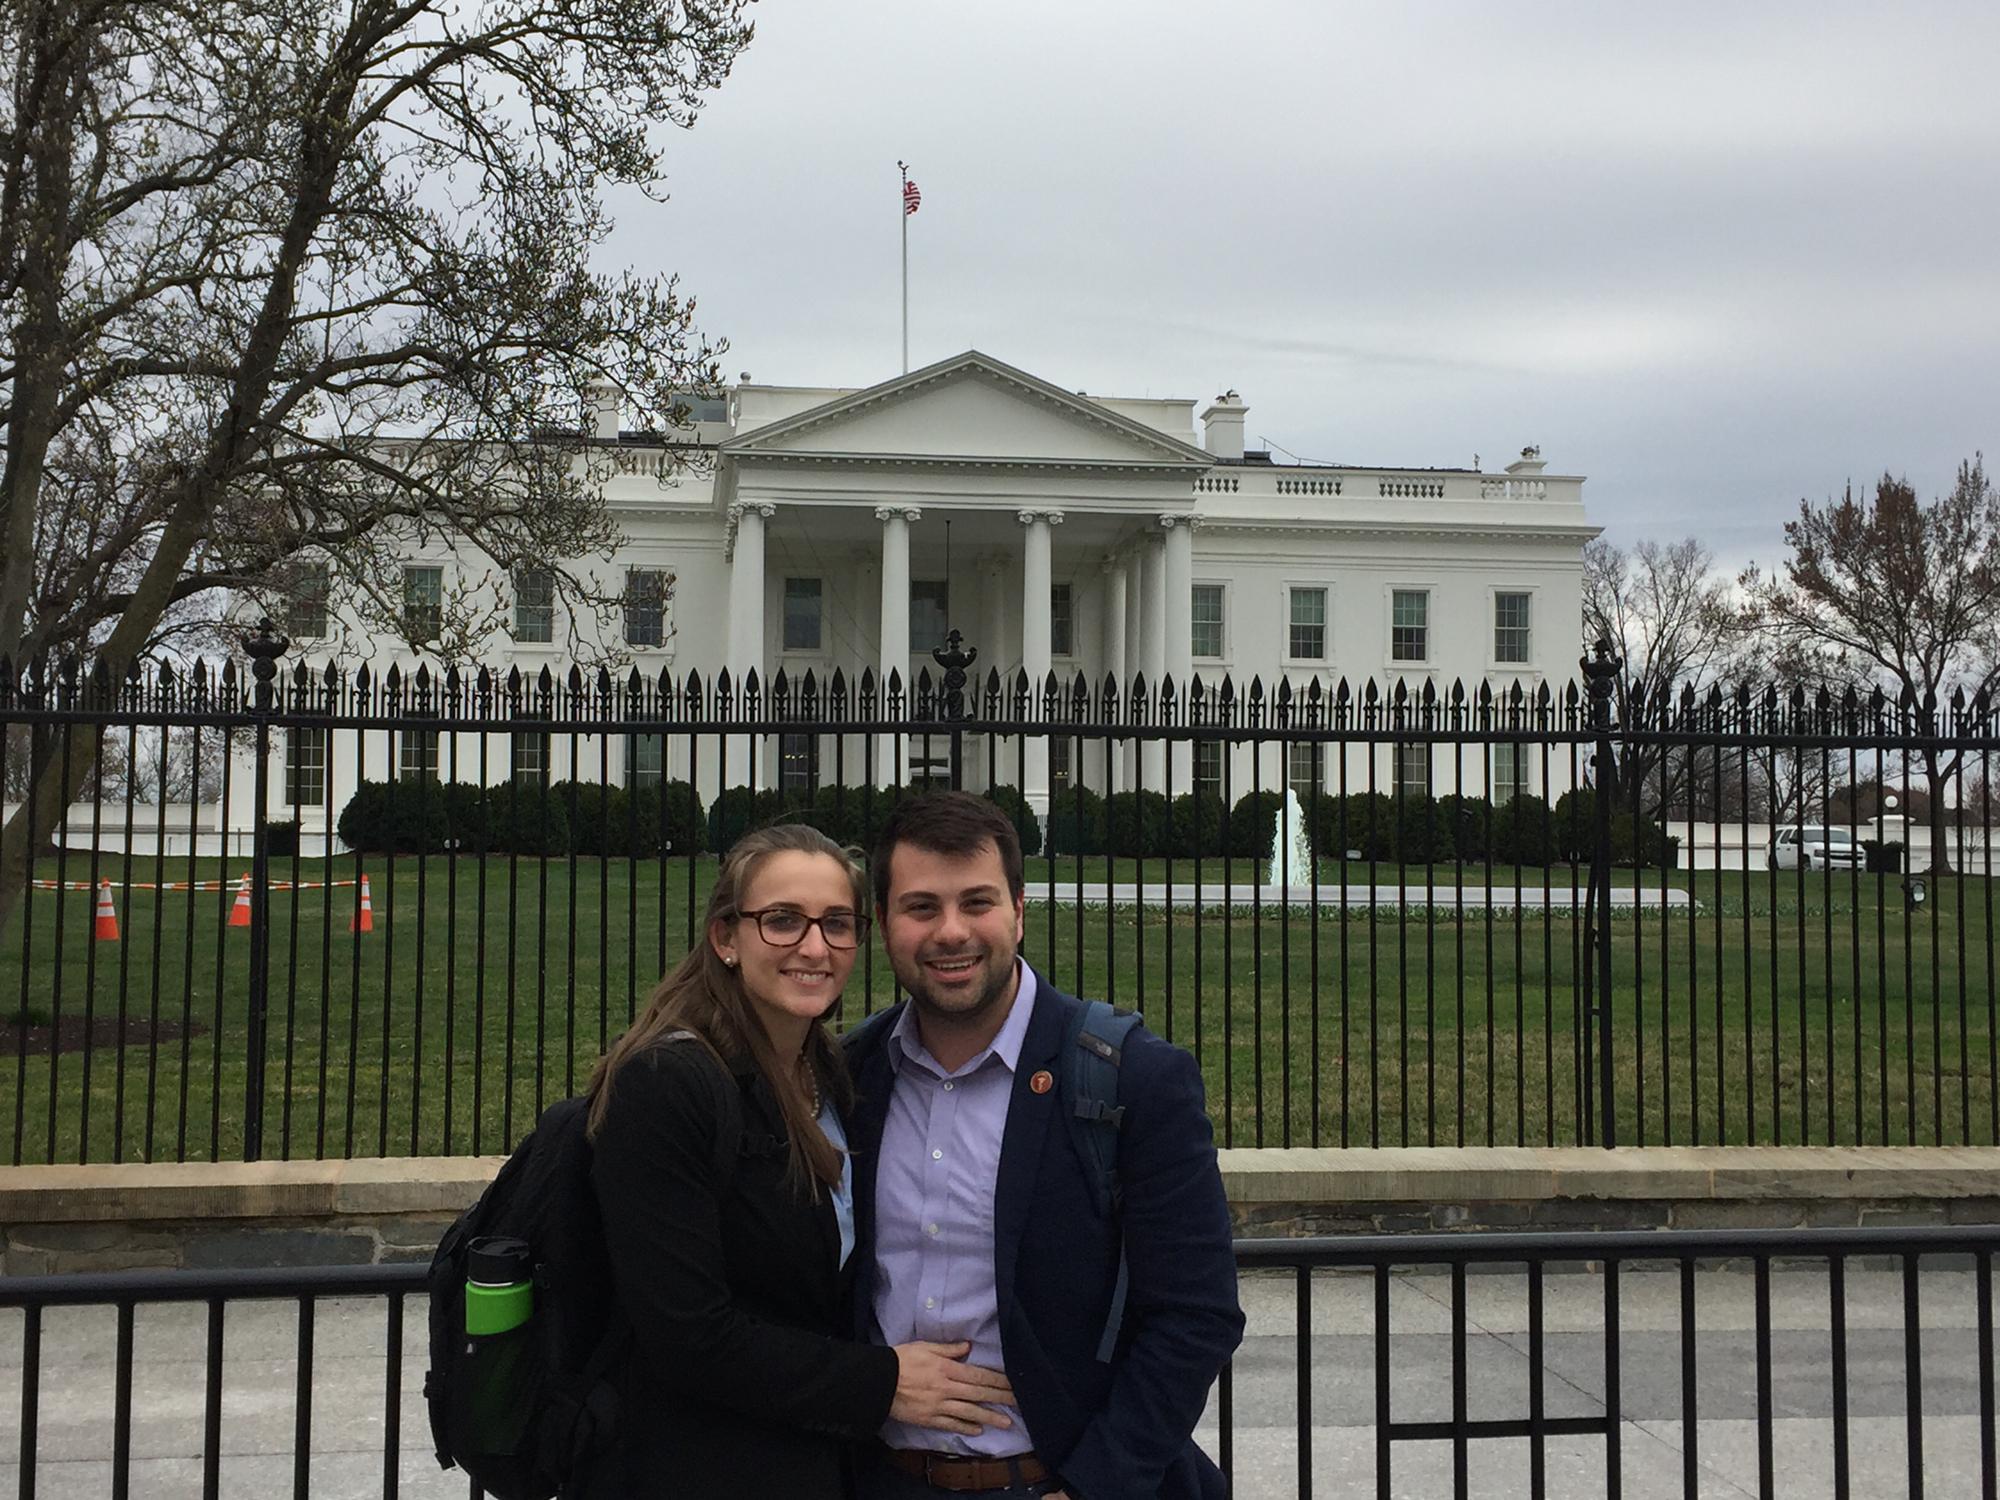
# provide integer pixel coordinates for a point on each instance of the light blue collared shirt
(843, 1195)
(935, 1180)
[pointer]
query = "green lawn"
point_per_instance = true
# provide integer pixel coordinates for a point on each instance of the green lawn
(1825, 1010)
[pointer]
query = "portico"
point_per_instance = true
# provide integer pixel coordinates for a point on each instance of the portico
(1023, 514)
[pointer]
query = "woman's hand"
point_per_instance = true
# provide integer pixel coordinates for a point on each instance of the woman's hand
(936, 1388)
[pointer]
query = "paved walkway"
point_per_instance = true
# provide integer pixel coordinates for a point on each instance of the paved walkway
(349, 1434)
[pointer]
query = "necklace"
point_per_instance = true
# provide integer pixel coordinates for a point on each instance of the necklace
(812, 1078)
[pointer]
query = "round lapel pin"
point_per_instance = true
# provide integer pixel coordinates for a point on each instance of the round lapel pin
(1042, 1081)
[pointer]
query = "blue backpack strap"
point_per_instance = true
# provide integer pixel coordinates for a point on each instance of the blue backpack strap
(1092, 1052)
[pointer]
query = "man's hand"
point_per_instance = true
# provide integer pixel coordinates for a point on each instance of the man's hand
(936, 1388)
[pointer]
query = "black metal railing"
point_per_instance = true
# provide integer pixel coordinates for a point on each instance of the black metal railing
(1517, 920)
(1816, 1370)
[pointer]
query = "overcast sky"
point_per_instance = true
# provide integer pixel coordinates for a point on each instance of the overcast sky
(1713, 257)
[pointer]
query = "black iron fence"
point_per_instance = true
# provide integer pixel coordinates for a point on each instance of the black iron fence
(398, 913)
(1813, 1362)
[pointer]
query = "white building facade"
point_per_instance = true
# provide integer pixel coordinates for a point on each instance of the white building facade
(1058, 532)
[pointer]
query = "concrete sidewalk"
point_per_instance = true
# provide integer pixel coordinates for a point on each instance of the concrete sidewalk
(349, 1437)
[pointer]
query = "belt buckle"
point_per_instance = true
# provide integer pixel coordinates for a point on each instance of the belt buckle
(931, 1456)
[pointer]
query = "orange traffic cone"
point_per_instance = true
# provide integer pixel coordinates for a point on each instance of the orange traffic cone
(364, 919)
(239, 914)
(107, 914)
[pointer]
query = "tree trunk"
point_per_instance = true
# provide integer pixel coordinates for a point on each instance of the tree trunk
(1936, 777)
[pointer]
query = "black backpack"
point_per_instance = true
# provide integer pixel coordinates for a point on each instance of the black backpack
(521, 1412)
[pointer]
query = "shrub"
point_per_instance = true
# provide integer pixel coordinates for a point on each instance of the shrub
(1138, 824)
(1423, 833)
(1468, 820)
(1371, 825)
(394, 818)
(1576, 824)
(1253, 825)
(282, 838)
(737, 809)
(1076, 822)
(1014, 803)
(1196, 819)
(1524, 832)
(522, 817)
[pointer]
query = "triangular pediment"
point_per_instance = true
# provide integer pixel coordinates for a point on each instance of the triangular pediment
(972, 408)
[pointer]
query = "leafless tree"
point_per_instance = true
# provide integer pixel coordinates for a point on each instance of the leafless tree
(1893, 591)
(314, 277)
(1668, 615)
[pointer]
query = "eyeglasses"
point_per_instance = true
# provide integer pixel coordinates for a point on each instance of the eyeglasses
(782, 927)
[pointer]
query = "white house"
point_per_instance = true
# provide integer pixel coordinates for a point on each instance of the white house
(1057, 531)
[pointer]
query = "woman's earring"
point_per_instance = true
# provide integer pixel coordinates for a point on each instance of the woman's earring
(729, 960)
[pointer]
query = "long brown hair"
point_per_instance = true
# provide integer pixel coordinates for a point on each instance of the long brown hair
(706, 996)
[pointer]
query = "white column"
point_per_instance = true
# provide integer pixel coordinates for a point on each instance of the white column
(1154, 625)
(1179, 570)
(746, 590)
(1114, 646)
(746, 621)
(895, 521)
(1036, 576)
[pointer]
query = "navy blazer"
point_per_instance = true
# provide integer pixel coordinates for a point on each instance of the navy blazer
(1116, 1431)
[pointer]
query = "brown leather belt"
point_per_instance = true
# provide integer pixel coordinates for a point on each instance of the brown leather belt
(949, 1471)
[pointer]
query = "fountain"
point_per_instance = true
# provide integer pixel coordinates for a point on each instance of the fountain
(1291, 858)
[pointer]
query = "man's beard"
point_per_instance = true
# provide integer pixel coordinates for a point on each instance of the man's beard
(998, 978)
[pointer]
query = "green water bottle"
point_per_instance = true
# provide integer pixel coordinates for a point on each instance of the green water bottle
(499, 1285)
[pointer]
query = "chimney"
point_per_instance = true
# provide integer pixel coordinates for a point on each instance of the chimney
(1530, 462)
(1222, 427)
(605, 404)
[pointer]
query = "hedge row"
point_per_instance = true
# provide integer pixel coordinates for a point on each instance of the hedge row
(522, 817)
(848, 815)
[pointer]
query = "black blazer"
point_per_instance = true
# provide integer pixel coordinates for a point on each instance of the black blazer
(738, 1383)
(1118, 1430)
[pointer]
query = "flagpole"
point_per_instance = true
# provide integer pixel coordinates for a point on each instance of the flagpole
(903, 213)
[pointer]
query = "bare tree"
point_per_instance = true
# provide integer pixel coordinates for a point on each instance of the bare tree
(1894, 591)
(287, 277)
(1668, 614)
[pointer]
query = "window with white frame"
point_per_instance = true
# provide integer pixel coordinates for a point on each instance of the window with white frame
(802, 614)
(1413, 770)
(1062, 620)
(423, 602)
(535, 606)
(1507, 777)
(1205, 620)
(1304, 770)
(1208, 766)
(1510, 627)
(305, 767)
(648, 761)
(646, 606)
(1307, 637)
(930, 612)
(530, 754)
(305, 590)
(1410, 625)
(417, 755)
(798, 763)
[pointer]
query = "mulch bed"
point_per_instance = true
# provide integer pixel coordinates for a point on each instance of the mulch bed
(67, 1035)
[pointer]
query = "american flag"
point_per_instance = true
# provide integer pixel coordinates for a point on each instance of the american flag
(911, 197)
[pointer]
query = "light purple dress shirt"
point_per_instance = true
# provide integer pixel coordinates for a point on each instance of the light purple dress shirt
(934, 1187)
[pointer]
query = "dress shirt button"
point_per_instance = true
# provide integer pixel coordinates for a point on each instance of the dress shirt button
(937, 1156)
(947, 1085)
(930, 1229)
(930, 1302)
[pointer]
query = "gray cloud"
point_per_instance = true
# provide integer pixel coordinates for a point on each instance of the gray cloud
(1714, 256)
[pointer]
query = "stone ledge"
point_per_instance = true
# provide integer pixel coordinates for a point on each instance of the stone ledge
(242, 1190)
(133, 1216)
(1485, 1174)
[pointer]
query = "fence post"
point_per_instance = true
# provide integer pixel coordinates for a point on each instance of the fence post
(264, 649)
(955, 656)
(1600, 670)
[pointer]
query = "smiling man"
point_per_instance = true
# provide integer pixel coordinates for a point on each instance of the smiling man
(979, 1202)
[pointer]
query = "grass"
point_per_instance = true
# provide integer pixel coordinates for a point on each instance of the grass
(1784, 1007)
